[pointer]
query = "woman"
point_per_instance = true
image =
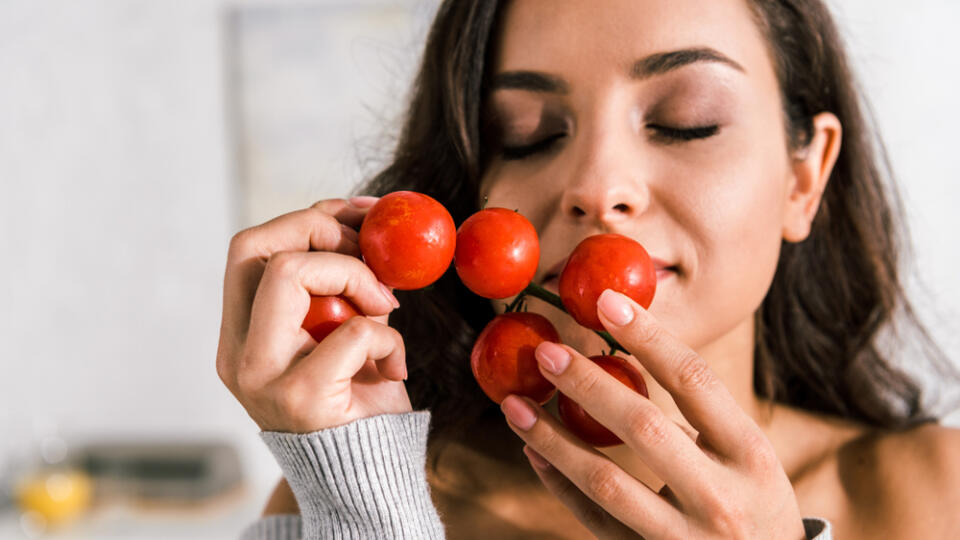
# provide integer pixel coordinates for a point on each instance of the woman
(711, 132)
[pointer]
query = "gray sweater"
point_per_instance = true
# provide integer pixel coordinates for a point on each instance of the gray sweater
(368, 480)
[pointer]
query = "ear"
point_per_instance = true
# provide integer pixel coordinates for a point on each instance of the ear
(811, 170)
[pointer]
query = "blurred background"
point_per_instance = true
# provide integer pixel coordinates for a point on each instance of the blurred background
(137, 136)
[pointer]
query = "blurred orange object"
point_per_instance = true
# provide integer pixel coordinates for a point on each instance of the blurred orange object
(58, 496)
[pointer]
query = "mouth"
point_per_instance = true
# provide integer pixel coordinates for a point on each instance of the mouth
(551, 279)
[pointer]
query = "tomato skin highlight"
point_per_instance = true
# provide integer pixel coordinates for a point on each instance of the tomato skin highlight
(582, 424)
(326, 313)
(497, 253)
(502, 359)
(408, 240)
(600, 262)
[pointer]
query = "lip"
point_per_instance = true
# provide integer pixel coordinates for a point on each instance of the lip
(663, 269)
(554, 271)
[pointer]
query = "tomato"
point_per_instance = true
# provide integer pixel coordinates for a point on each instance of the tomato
(326, 313)
(408, 240)
(582, 424)
(605, 261)
(502, 358)
(497, 252)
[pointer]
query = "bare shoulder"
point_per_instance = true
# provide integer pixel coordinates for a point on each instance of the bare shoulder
(907, 483)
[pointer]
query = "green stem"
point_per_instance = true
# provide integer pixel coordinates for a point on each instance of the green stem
(537, 291)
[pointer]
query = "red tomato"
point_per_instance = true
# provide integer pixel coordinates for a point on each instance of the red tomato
(408, 240)
(605, 261)
(582, 424)
(497, 252)
(326, 313)
(502, 359)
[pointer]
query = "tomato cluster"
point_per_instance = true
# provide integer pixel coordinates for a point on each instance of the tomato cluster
(409, 240)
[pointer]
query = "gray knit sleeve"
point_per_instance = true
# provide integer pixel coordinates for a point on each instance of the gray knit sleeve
(366, 479)
(276, 527)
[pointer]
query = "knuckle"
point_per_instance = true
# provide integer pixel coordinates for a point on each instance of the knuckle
(224, 372)
(324, 218)
(394, 334)
(587, 383)
(247, 384)
(603, 483)
(594, 517)
(242, 241)
(548, 442)
(283, 264)
(647, 334)
(693, 374)
(359, 277)
(288, 399)
(758, 455)
(726, 516)
(357, 328)
(647, 427)
(325, 204)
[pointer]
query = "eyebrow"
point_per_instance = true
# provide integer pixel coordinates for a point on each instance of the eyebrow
(660, 63)
(655, 64)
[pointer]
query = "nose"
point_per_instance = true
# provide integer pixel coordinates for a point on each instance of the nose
(606, 187)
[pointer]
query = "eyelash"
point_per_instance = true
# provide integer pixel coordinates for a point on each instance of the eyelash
(674, 134)
(520, 152)
(668, 134)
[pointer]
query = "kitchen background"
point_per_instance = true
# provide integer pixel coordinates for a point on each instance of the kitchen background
(137, 136)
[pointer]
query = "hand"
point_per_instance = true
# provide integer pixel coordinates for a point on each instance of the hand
(728, 483)
(283, 378)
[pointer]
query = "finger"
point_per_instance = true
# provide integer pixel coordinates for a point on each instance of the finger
(324, 388)
(283, 299)
(350, 212)
(602, 481)
(659, 442)
(327, 226)
(702, 399)
(591, 514)
(356, 342)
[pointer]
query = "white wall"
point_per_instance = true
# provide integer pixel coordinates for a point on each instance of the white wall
(117, 203)
(116, 186)
(115, 223)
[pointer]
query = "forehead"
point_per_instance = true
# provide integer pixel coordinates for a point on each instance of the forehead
(589, 36)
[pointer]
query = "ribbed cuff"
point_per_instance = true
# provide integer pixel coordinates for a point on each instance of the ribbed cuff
(276, 527)
(366, 479)
(817, 529)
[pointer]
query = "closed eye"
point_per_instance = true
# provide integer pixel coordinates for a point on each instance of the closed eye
(669, 134)
(522, 151)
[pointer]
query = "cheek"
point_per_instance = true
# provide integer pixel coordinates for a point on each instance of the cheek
(731, 215)
(528, 194)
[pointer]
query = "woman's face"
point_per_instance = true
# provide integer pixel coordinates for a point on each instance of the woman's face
(657, 119)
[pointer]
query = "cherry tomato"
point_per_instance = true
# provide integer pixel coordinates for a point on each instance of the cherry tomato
(408, 240)
(326, 313)
(582, 424)
(502, 359)
(605, 261)
(497, 252)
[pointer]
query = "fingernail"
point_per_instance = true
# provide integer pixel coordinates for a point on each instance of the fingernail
(363, 201)
(536, 460)
(615, 307)
(552, 357)
(389, 296)
(518, 412)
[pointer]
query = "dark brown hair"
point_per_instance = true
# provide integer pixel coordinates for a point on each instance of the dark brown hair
(816, 342)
